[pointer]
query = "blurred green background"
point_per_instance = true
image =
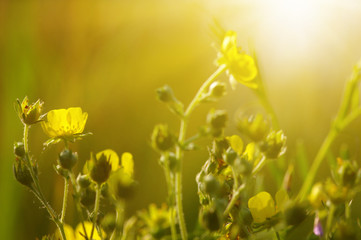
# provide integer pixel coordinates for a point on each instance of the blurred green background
(108, 57)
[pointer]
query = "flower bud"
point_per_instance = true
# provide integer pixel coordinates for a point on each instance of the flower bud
(67, 159)
(230, 156)
(347, 173)
(162, 139)
(217, 89)
(171, 160)
(100, 168)
(22, 173)
(211, 185)
(274, 145)
(217, 118)
(29, 114)
(19, 149)
(210, 220)
(295, 214)
(165, 94)
(121, 185)
(255, 127)
(83, 181)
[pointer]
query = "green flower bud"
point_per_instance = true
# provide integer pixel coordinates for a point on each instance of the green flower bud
(22, 173)
(210, 220)
(83, 181)
(231, 155)
(217, 119)
(67, 159)
(255, 127)
(217, 89)
(61, 171)
(172, 161)
(211, 185)
(100, 168)
(274, 145)
(347, 173)
(19, 149)
(295, 214)
(243, 166)
(165, 94)
(121, 185)
(162, 139)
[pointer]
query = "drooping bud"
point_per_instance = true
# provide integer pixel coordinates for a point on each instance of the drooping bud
(165, 94)
(19, 149)
(67, 159)
(217, 89)
(217, 120)
(22, 173)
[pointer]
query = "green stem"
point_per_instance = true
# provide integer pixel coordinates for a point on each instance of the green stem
(119, 208)
(234, 199)
(330, 219)
(76, 190)
(348, 209)
(65, 199)
(171, 199)
(307, 184)
(179, 152)
(37, 188)
(96, 209)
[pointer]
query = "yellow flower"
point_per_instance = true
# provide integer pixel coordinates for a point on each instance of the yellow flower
(63, 123)
(236, 143)
(240, 66)
(79, 234)
(262, 206)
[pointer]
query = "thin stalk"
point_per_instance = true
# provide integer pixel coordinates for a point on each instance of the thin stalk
(330, 219)
(348, 209)
(76, 189)
(234, 199)
(170, 185)
(65, 199)
(37, 189)
(307, 184)
(179, 151)
(119, 219)
(96, 209)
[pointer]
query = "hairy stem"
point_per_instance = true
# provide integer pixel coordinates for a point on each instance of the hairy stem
(37, 190)
(179, 151)
(65, 199)
(96, 209)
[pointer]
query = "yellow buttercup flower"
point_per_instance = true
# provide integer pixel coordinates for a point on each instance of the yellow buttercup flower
(240, 66)
(64, 122)
(262, 206)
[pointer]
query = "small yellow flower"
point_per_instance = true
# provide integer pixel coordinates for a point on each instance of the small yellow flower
(240, 66)
(262, 206)
(236, 143)
(63, 123)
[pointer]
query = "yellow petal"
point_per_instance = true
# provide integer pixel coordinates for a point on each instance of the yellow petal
(79, 231)
(236, 144)
(262, 206)
(112, 156)
(128, 163)
(69, 233)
